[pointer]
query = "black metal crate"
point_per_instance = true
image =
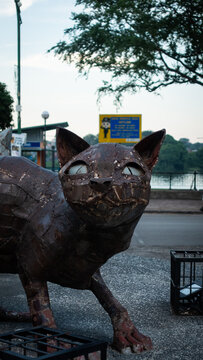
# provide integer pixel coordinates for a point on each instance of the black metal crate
(45, 343)
(187, 282)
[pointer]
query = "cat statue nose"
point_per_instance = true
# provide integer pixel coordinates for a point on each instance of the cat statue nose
(100, 184)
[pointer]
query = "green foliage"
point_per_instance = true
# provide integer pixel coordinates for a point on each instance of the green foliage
(6, 107)
(176, 157)
(146, 133)
(199, 159)
(91, 139)
(143, 44)
(196, 146)
(184, 141)
(190, 147)
(172, 156)
(195, 160)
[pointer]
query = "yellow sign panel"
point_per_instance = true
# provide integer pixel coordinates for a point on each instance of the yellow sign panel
(116, 128)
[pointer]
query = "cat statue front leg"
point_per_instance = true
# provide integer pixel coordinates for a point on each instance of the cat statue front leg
(38, 301)
(126, 337)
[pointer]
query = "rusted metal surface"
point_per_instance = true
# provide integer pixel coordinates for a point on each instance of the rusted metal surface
(5, 142)
(62, 229)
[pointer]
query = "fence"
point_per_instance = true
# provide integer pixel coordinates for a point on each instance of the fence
(187, 181)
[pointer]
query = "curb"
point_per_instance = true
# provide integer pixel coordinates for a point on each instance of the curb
(173, 212)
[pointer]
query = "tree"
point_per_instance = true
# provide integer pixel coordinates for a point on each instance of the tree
(195, 160)
(199, 157)
(185, 141)
(196, 146)
(6, 107)
(172, 157)
(91, 139)
(146, 133)
(143, 44)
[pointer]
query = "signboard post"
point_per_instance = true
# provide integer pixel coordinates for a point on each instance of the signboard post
(120, 128)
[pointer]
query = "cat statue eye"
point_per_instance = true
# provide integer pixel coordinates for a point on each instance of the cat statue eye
(78, 169)
(132, 170)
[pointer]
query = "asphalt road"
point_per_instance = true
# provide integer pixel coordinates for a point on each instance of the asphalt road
(169, 230)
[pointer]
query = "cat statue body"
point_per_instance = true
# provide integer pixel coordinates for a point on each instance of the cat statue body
(63, 228)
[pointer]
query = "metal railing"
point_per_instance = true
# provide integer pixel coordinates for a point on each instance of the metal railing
(187, 181)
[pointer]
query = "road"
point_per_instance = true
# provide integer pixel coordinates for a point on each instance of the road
(169, 230)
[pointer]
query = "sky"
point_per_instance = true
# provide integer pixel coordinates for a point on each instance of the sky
(49, 84)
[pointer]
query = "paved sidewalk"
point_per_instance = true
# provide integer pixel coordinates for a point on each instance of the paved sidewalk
(175, 206)
(142, 285)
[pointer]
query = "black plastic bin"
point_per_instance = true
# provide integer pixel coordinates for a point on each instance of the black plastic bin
(50, 344)
(187, 282)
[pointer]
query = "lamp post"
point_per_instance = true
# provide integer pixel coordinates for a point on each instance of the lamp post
(45, 116)
(19, 22)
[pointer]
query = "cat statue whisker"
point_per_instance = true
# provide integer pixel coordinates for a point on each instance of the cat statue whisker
(76, 221)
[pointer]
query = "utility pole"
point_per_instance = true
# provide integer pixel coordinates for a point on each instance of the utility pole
(19, 22)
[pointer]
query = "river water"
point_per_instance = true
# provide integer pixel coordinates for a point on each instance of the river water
(177, 181)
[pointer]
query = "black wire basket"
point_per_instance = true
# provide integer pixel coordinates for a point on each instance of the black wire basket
(187, 282)
(51, 344)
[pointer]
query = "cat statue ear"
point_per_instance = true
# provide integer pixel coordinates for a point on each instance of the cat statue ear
(149, 147)
(68, 145)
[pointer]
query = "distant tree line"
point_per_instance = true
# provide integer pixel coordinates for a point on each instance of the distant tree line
(176, 156)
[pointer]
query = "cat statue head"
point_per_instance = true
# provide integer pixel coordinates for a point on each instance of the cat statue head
(107, 184)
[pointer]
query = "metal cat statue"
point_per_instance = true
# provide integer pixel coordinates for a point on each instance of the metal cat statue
(63, 228)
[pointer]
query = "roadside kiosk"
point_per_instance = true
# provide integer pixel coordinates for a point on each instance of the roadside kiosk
(36, 140)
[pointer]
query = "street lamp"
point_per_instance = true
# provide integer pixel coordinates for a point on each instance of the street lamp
(45, 116)
(19, 22)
